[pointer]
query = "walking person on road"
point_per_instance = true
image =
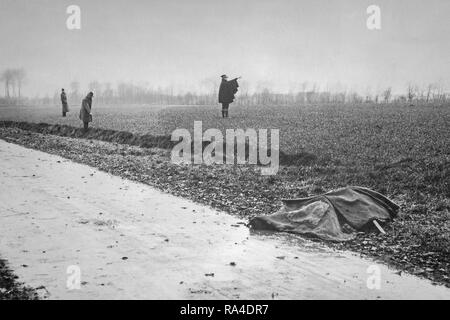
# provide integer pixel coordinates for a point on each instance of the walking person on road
(85, 112)
(227, 90)
(65, 106)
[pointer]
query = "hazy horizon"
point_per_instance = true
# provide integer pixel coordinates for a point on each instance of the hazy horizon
(189, 44)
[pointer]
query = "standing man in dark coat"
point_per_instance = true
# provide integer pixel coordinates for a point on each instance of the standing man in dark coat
(85, 112)
(65, 106)
(227, 91)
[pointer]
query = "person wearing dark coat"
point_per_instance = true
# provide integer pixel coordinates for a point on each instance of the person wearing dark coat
(65, 106)
(85, 112)
(227, 90)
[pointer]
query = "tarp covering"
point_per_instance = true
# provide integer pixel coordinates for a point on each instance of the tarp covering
(323, 216)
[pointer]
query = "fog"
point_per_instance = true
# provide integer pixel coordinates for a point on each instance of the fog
(186, 45)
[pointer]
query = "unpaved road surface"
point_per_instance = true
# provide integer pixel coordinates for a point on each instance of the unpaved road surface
(131, 241)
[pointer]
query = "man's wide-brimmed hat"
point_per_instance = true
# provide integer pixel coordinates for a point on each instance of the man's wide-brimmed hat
(224, 76)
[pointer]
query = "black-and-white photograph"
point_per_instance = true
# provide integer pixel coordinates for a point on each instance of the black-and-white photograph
(216, 152)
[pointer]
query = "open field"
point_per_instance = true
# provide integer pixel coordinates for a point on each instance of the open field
(365, 134)
(401, 151)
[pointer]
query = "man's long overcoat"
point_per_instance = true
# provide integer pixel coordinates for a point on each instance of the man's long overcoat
(227, 90)
(85, 111)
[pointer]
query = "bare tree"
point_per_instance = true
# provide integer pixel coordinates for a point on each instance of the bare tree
(8, 78)
(74, 90)
(96, 87)
(108, 92)
(439, 94)
(411, 92)
(430, 89)
(304, 88)
(19, 75)
(3, 79)
(387, 94)
(210, 85)
(244, 96)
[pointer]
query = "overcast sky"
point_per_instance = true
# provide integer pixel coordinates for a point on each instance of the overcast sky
(279, 43)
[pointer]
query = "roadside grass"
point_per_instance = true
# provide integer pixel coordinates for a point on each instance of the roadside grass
(10, 288)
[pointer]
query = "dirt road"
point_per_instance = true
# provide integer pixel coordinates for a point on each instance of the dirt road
(127, 240)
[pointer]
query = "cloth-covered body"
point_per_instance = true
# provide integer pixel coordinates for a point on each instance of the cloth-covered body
(65, 106)
(85, 111)
(323, 216)
(227, 90)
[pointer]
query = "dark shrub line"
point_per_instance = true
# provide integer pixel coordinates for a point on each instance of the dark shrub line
(144, 141)
(121, 137)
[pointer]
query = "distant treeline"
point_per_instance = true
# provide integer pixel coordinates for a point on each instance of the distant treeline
(13, 80)
(126, 93)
